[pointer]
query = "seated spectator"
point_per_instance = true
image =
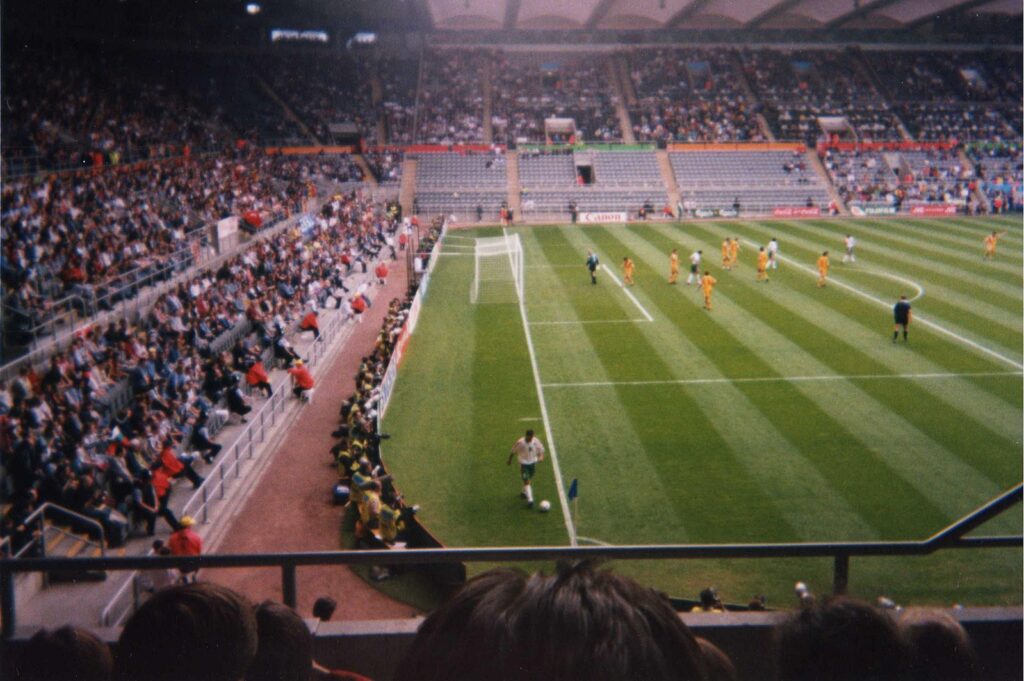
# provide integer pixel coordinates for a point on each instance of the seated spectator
(578, 624)
(302, 380)
(840, 639)
(311, 323)
(709, 601)
(257, 377)
(940, 649)
(185, 542)
(201, 632)
(65, 654)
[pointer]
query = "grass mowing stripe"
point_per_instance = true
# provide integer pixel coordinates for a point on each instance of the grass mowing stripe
(978, 228)
(941, 277)
(940, 325)
(850, 322)
(961, 246)
(595, 430)
(790, 379)
(870, 421)
(569, 527)
(687, 340)
(835, 347)
(686, 452)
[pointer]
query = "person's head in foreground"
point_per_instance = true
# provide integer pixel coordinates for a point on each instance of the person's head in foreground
(65, 654)
(940, 649)
(200, 632)
(840, 639)
(581, 623)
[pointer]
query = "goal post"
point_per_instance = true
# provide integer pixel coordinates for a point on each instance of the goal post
(498, 270)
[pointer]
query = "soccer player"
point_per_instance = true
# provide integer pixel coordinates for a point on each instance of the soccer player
(762, 264)
(707, 283)
(529, 450)
(822, 269)
(592, 264)
(627, 271)
(695, 267)
(901, 317)
(734, 251)
(773, 254)
(726, 261)
(850, 243)
(990, 244)
(673, 266)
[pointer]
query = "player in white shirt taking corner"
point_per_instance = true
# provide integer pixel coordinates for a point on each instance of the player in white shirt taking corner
(529, 450)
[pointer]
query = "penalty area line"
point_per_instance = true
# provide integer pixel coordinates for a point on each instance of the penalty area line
(629, 293)
(788, 379)
(917, 318)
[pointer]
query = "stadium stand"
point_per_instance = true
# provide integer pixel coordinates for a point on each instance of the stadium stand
(758, 181)
(691, 96)
(450, 106)
(471, 185)
(1000, 174)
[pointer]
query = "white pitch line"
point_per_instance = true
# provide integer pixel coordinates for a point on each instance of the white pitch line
(917, 318)
(544, 416)
(894, 277)
(629, 293)
(591, 321)
(591, 540)
(455, 253)
(456, 237)
(786, 379)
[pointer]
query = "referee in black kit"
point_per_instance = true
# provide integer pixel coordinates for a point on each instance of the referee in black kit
(901, 317)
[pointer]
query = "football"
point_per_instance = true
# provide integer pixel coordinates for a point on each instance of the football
(545, 506)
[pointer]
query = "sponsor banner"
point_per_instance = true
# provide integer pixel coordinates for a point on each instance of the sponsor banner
(728, 213)
(611, 216)
(934, 209)
(796, 212)
(704, 213)
(873, 210)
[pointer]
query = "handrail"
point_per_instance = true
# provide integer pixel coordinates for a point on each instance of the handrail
(40, 513)
(287, 562)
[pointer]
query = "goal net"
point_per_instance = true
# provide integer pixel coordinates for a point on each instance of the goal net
(498, 270)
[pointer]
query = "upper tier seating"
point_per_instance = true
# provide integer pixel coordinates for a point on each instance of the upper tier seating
(451, 99)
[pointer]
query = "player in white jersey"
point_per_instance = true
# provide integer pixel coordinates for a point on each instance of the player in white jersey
(695, 268)
(773, 254)
(851, 243)
(529, 450)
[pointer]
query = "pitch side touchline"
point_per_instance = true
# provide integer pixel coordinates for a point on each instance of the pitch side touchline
(592, 321)
(917, 318)
(544, 415)
(629, 293)
(786, 379)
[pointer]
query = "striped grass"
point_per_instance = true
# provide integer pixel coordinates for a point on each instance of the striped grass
(785, 414)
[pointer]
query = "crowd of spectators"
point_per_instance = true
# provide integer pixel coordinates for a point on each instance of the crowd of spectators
(398, 78)
(691, 96)
(324, 89)
(101, 235)
(525, 93)
(386, 164)
(931, 121)
(863, 177)
(1000, 170)
(106, 425)
(450, 108)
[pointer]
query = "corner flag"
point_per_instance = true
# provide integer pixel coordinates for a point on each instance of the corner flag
(573, 489)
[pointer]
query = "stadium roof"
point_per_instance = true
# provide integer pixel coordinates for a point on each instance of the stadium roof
(703, 14)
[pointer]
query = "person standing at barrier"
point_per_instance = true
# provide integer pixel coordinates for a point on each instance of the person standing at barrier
(185, 542)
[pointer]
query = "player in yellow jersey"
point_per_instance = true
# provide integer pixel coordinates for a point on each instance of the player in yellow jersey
(990, 244)
(726, 260)
(734, 251)
(762, 265)
(822, 269)
(707, 284)
(627, 271)
(673, 266)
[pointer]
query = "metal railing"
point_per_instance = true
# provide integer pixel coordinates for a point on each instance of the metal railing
(228, 466)
(39, 516)
(950, 537)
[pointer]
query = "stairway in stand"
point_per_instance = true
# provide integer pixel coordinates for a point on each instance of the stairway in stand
(669, 178)
(368, 176)
(814, 162)
(407, 192)
(512, 170)
(620, 101)
(488, 101)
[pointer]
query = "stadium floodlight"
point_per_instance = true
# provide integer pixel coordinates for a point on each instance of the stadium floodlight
(253, 9)
(497, 270)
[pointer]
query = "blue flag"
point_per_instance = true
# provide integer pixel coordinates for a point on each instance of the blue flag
(574, 489)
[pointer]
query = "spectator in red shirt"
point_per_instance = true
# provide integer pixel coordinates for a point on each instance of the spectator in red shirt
(185, 542)
(177, 464)
(382, 273)
(359, 305)
(302, 380)
(257, 377)
(311, 323)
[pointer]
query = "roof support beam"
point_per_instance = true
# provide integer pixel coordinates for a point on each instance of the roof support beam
(773, 11)
(511, 14)
(686, 12)
(599, 13)
(859, 10)
(965, 6)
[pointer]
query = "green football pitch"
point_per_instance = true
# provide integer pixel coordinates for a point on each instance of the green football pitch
(786, 414)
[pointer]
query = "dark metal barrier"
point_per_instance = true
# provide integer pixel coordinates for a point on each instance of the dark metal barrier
(949, 538)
